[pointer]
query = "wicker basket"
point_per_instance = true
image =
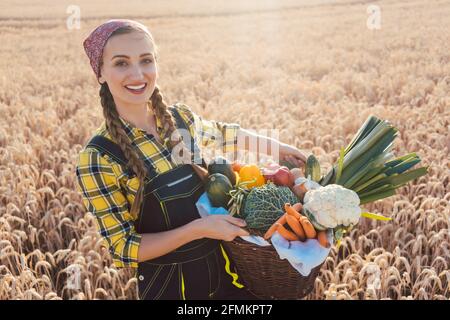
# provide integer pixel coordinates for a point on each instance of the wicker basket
(266, 275)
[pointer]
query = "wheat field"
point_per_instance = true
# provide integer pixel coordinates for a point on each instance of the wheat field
(314, 70)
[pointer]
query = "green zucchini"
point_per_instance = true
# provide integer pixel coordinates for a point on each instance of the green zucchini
(223, 166)
(217, 188)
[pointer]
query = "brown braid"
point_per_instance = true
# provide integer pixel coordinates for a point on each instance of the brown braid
(168, 122)
(118, 134)
(166, 118)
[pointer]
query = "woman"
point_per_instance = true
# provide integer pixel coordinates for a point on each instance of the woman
(143, 198)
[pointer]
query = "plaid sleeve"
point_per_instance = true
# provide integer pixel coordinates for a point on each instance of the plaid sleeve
(211, 132)
(102, 196)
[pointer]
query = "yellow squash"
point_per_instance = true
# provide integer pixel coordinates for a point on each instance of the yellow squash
(251, 172)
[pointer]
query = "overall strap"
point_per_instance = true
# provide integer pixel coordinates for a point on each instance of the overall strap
(112, 149)
(181, 124)
(105, 145)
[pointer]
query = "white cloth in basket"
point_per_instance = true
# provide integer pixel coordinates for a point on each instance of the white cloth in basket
(303, 256)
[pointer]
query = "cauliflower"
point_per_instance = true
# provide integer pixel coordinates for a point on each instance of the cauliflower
(331, 206)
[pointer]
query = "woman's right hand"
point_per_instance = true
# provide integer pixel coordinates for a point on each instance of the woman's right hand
(221, 227)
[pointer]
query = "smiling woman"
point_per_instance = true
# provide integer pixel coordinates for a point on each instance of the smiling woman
(176, 253)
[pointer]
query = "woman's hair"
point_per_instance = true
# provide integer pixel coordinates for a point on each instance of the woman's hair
(115, 129)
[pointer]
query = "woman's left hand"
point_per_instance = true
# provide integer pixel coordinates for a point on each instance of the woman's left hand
(292, 154)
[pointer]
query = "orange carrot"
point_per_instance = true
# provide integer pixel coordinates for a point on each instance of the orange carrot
(274, 226)
(308, 227)
(322, 238)
(281, 220)
(296, 227)
(285, 233)
(291, 211)
(298, 206)
(271, 231)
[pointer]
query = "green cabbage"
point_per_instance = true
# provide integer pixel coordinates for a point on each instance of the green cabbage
(264, 205)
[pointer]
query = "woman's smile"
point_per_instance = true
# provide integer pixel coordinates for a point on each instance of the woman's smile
(136, 88)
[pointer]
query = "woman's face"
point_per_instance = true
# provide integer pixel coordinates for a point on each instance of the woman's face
(129, 68)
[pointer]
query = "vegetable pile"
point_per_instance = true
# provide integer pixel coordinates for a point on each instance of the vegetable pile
(278, 198)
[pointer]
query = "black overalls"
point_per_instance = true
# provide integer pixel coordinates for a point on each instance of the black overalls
(201, 269)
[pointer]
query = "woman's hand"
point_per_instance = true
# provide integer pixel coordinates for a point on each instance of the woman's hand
(221, 227)
(292, 154)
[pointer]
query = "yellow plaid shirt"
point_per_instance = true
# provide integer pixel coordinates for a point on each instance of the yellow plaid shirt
(108, 192)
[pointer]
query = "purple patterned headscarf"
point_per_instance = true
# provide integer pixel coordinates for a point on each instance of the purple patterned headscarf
(96, 41)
